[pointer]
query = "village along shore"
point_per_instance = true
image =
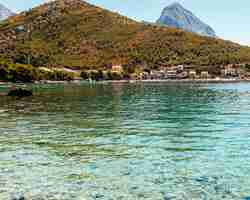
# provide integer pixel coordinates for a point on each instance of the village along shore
(174, 74)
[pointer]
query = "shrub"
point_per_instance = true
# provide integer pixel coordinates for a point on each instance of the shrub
(114, 75)
(60, 76)
(84, 75)
(18, 72)
(93, 75)
(247, 66)
(23, 73)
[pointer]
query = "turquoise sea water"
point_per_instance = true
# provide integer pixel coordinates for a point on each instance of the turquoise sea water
(152, 141)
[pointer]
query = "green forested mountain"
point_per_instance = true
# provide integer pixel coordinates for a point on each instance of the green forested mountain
(73, 33)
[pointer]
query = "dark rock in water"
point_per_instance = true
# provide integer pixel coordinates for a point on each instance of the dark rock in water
(202, 179)
(19, 198)
(98, 196)
(246, 198)
(166, 197)
(20, 92)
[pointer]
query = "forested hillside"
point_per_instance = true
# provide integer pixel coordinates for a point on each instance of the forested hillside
(73, 33)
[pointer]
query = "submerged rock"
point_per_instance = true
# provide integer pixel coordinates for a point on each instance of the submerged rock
(19, 198)
(20, 92)
(167, 197)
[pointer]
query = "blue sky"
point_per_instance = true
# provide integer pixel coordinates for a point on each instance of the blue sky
(229, 18)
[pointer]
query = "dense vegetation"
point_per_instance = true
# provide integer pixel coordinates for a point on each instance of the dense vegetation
(28, 73)
(75, 34)
(103, 75)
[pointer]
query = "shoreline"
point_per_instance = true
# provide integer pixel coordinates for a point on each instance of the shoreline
(179, 81)
(139, 81)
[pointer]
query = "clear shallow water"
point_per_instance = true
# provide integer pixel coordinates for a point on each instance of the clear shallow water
(121, 141)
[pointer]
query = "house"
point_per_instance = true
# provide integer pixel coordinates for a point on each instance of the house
(144, 76)
(182, 75)
(205, 75)
(192, 74)
(171, 74)
(117, 68)
(230, 71)
(179, 68)
(154, 74)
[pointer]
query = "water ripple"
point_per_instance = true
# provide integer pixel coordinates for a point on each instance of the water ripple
(120, 141)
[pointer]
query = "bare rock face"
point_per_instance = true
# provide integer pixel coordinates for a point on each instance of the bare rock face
(175, 15)
(5, 12)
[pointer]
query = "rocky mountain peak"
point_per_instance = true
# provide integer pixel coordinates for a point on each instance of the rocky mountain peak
(175, 15)
(5, 12)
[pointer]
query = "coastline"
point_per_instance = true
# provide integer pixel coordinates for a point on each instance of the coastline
(138, 81)
(179, 81)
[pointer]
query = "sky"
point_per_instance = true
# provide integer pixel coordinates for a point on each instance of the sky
(230, 19)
